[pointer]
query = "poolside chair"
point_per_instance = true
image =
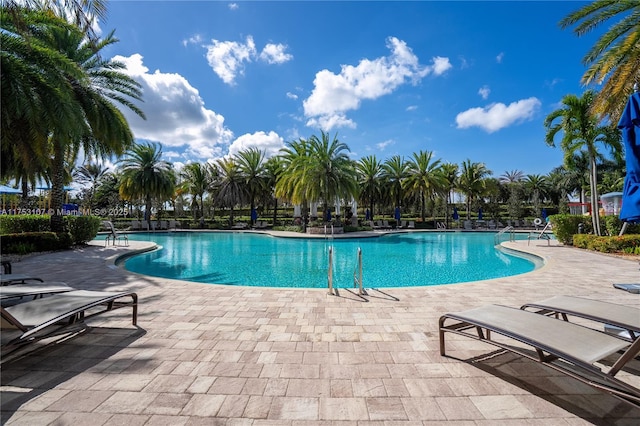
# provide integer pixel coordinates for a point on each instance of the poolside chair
(563, 346)
(49, 316)
(411, 225)
(385, 224)
(467, 225)
(631, 288)
(19, 291)
(623, 317)
(114, 235)
(9, 279)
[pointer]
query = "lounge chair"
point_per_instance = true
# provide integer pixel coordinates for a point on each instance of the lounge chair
(411, 225)
(631, 288)
(621, 316)
(377, 224)
(114, 235)
(467, 225)
(385, 224)
(9, 279)
(563, 346)
(19, 291)
(50, 316)
(239, 225)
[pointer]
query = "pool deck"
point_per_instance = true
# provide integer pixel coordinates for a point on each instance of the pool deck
(223, 355)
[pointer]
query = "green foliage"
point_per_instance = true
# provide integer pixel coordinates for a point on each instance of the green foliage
(613, 225)
(13, 224)
(28, 242)
(288, 228)
(565, 226)
(83, 228)
(621, 244)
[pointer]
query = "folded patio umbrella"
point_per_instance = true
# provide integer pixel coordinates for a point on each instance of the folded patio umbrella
(629, 124)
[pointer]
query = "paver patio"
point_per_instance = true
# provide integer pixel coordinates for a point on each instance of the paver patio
(213, 355)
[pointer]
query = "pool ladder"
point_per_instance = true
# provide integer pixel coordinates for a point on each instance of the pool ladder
(497, 238)
(357, 273)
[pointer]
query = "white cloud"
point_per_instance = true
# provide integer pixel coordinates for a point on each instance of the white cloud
(498, 116)
(234, 6)
(275, 54)
(382, 145)
(412, 107)
(228, 58)
(270, 143)
(292, 95)
(335, 94)
(484, 91)
(176, 114)
(500, 57)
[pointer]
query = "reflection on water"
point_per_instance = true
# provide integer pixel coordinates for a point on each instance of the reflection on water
(399, 260)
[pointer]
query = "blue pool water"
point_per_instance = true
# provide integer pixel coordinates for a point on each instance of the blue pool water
(397, 260)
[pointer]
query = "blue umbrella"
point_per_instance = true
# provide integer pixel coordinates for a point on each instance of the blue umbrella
(629, 124)
(544, 214)
(4, 189)
(254, 215)
(328, 214)
(397, 213)
(367, 215)
(456, 216)
(480, 213)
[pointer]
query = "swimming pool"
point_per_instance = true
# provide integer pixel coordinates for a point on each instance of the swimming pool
(393, 260)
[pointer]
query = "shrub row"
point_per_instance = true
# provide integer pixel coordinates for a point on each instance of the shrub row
(28, 242)
(80, 228)
(625, 243)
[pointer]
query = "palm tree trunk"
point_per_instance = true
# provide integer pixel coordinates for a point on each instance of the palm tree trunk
(147, 211)
(275, 210)
(422, 206)
(57, 187)
(595, 213)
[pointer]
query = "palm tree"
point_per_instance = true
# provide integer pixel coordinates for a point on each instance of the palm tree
(251, 164)
(274, 167)
(145, 176)
(513, 176)
(450, 176)
(615, 58)
(425, 178)
(538, 187)
(195, 180)
(329, 173)
(581, 131)
(472, 181)
(230, 189)
(369, 171)
(394, 171)
(291, 184)
(91, 174)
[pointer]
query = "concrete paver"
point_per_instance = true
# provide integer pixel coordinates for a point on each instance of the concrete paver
(209, 354)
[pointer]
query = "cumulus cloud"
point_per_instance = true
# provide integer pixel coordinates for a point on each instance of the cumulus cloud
(292, 95)
(228, 58)
(500, 57)
(412, 107)
(234, 6)
(335, 94)
(484, 92)
(270, 143)
(275, 54)
(382, 145)
(176, 114)
(498, 116)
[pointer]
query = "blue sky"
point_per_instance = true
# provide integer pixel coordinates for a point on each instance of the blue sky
(466, 80)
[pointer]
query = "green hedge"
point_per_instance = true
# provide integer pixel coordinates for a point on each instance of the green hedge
(28, 242)
(13, 224)
(612, 226)
(83, 228)
(565, 226)
(622, 244)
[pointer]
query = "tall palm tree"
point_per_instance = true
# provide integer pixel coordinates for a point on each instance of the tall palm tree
(274, 167)
(195, 180)
(329, 173)
(425, 178)
(251, 163)
(91, 174)
(537, 186)
(394, 172)
(615, 58)
(292, 183)
(230, 191)
(581, 132)
(472, 182)
(369, 171)
(145, 176)
(450, 176)
(513, 176)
